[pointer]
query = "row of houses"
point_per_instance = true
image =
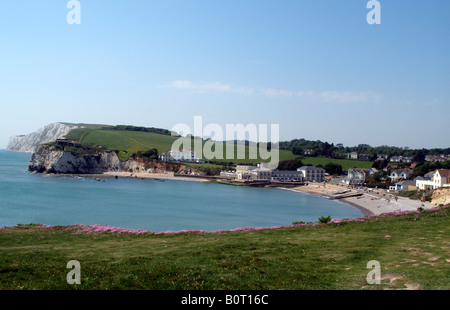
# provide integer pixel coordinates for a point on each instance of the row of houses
(261, 172)
(401, 159)
(359, 176)
(402, 179)
(437, 158)
(432, 180)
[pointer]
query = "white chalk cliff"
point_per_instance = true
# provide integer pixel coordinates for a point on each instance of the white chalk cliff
(49, 133)
(48, 160)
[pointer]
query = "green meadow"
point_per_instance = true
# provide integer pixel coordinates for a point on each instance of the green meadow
(412, 249)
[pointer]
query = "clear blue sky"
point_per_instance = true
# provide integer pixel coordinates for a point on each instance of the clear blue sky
(316, 68)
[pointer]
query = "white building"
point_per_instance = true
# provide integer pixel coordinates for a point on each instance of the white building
(356, 176)
(352, 155)
(441, 178)
(182, 156)
(401, 159)
(244, 172)
(261, 173)
(287, 176)
(312, 174)
(399, 174)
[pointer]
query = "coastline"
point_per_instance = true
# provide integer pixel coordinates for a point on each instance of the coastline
(139, 175)
(369, 202)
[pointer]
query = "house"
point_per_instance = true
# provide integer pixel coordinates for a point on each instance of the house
(407, 185)
(356, 176)
(312, 174)
(307, 152)
(400, 174)
(364, 156)
(401, 159)
(440, 178)
(382, 157)
(352, 155)
(437, 158)
(62, 141)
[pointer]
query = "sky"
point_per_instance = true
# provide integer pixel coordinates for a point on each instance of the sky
(316, 68)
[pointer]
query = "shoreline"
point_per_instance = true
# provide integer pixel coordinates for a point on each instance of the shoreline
(132, 175)
(369, 202)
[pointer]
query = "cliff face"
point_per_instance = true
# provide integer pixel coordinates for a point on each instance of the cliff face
(49, 133)
(44, 160)
(441, 196)
(48, 160)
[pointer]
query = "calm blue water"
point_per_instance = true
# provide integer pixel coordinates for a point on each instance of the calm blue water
(149, 204)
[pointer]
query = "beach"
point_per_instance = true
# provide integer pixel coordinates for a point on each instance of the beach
(369, 201)
(145, 175)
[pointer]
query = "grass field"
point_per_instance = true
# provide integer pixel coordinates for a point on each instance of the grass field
(412, 249)
(345, 163)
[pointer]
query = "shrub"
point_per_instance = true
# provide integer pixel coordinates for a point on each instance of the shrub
(324, 219)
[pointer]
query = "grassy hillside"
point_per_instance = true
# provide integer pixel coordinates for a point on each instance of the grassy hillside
(135, 141)
(412, 250)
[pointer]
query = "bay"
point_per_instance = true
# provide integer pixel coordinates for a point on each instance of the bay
(150, 204)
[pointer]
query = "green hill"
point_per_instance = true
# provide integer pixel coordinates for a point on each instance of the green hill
(132, 139)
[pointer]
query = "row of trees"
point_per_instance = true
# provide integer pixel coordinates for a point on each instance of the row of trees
(142, 129)
(325, 149)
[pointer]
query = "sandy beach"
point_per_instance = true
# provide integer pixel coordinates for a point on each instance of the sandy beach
(162, 176)
(368, 201)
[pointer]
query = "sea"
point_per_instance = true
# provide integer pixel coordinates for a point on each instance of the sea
(152, 205)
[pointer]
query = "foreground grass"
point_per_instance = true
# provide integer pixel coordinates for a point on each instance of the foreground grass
(412, 250)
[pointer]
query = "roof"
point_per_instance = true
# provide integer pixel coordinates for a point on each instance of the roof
(445, 173)
(402, 170)
(406, 182)
(308, 168)
(262, 169)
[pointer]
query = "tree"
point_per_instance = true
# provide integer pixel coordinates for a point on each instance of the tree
(333, 169)
(419, 157)
(149, 154)
(290, 164)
